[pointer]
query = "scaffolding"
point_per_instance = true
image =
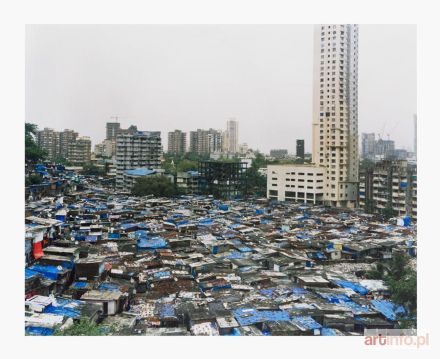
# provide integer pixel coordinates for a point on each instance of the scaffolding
(226, 180)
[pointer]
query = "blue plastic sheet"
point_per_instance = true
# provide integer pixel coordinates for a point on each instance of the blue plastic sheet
(111, 287)
(151, 243)
(356, 287)
(39, 331)
(49, 272)
(306, 322)
(327, 332)
(249, 316)
(388, 309)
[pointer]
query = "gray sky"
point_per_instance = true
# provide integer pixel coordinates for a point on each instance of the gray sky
(163, 77)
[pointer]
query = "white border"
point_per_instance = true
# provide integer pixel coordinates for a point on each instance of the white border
(18, 13)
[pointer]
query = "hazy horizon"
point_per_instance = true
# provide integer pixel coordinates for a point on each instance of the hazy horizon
(166, 77)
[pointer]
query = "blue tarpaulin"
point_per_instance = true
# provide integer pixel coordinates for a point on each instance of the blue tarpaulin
(388, 309)
(79, 285)
(166, 311)
(28, 273)
(39, 331)
(334, 297)
(206, 222)
(234, 255)
(299, 291)
(306, 322)
(111, 287)
(356, 287)
(151, 243)
(249, 316)
(66, 307)
(49, 272)
(326, 332)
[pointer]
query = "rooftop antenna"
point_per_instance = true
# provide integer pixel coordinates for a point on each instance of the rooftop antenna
(115, 118)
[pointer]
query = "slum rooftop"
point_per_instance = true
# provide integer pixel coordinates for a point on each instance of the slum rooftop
(194, 265)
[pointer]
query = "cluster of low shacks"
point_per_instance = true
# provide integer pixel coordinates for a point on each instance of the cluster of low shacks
(194, 265)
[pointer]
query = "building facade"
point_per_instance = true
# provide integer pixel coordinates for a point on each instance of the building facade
(112, 130)
(230, 138)
(66, 138)
(205, 142)
(105, 149)
(177, 142)
(56, 143)
(296, 183)
(335, 111)
(142, 149)
(278, 153)
(300, 149)
(368, 146)
(79, 152)
(389, 184)
(225, 180)
(49, 140)
(188, 182)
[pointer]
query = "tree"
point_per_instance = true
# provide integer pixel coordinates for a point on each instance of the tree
(370, 206)
(83, 327)
(92, 170)
(33, 152)
(256, 182)
(33, 179)
(159, 186)
(377, 272)
(187, 165)
(388, 212)
(401, 280)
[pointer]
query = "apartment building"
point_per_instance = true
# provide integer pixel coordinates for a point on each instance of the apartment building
(205, 142)
(142, 149)
(335, 111)
(49, 140)
(177, 142)
(79, 152)
(389, 184)
(296, 183)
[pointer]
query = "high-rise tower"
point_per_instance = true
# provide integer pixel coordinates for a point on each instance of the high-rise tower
(335, 111)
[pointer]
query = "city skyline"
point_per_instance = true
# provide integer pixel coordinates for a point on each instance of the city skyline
(251, 82)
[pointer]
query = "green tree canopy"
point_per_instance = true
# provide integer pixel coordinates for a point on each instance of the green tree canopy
(84, 327)
(401, 280)
(33, 152)
(93, 170)
(159, 186)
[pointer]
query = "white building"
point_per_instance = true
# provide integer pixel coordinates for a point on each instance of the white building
(335, 111)
(230, 138)
(297, 183)
(106, 148)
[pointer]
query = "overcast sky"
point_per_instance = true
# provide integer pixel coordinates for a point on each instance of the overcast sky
(166, 77)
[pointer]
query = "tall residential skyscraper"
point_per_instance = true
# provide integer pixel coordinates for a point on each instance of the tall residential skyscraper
(300, 148)
(335, 111)
(205, 142)
(49, 140)
(230, 144)
(79, 151)
(66, 138)
(368, 145)
(136, 150)
(112, 130)
(177, 142)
